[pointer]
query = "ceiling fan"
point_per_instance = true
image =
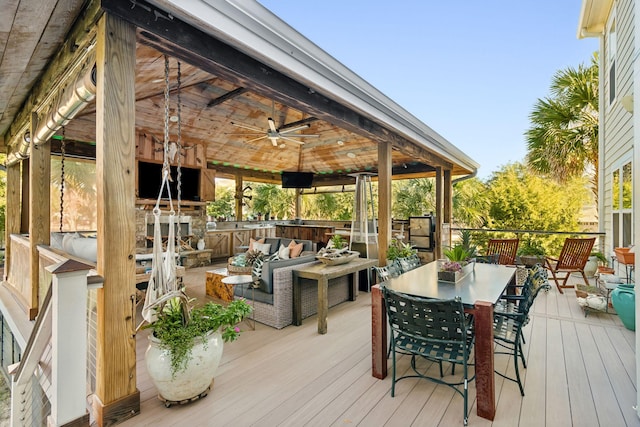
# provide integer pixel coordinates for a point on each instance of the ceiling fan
(274, 133)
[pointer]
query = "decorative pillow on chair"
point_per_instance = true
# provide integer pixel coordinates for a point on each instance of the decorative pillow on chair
(295, 249)
(253, 241)
(256, 271)
(283, 252)
(262, 247)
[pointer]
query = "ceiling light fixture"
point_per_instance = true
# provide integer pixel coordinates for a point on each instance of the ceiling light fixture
(351, 155)
(340, 142)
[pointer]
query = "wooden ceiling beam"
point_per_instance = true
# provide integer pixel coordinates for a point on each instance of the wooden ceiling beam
(227, 96)
(181, 40)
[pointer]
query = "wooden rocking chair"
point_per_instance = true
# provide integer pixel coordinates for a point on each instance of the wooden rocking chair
(573, 257)
(505, 249)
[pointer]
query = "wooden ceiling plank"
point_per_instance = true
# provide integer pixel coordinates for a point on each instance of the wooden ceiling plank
(179, 39)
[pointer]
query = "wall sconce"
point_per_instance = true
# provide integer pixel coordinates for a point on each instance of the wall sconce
(627, 103)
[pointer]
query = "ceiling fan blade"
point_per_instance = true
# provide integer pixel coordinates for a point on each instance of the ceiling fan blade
(245, 134)
(272, 125)
(293, 129)
(299, 135)
(286, 138)
(253, 128)
(274, 140)
(256, 139)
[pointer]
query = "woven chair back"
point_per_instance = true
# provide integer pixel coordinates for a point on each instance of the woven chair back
(505, 248)
(575, 253)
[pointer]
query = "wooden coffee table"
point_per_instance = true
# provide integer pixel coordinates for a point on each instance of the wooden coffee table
(214, 286)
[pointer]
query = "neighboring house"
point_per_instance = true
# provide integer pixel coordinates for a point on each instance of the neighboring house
(616, 23)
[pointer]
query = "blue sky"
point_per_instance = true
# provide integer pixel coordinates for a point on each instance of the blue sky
(470, 70)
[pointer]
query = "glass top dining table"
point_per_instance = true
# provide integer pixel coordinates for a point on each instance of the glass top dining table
(479, 291)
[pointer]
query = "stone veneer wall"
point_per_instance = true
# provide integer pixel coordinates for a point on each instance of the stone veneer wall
(144, 216)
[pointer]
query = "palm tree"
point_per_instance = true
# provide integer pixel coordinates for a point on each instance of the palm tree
(563, 140)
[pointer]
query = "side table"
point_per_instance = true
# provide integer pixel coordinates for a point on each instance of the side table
(240, 280)
(214, 286)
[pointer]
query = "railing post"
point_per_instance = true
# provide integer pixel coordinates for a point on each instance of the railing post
(69, 343)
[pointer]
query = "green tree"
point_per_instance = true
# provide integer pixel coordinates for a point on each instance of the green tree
(470, 203)
(563, 139)
(412, 197)
(520, 199)
(224, 204)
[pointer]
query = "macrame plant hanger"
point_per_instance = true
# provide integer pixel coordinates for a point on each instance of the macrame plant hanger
(163, 283)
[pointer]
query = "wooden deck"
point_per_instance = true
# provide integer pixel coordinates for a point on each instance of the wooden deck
(581, 372)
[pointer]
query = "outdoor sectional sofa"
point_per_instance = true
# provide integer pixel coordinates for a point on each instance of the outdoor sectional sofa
(273, 300)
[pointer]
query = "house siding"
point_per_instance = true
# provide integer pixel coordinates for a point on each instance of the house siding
(618, 123)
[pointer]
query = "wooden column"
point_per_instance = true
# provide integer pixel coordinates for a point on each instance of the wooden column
(447, 206)
(39, 212)
(24, 198)
(298, 203)
(116, 397)
(12, 215)
(384, 200)
(239, 199)
(439, 213)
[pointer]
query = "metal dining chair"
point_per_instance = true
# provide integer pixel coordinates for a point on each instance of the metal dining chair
(433, 330)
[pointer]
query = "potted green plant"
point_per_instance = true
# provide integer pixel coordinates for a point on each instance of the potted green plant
(596, 259)
(337, 241)
(186, 344)
(530, 253)
(397, 250)
(458, 264)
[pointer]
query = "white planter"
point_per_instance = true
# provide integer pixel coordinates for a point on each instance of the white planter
(591, 266)
(200, 245)
(191, 382)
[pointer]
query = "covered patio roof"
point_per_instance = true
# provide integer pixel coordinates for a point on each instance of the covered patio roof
(241, 65)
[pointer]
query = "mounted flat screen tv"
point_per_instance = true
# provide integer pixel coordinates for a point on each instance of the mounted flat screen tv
(297, 179)
(150, 179)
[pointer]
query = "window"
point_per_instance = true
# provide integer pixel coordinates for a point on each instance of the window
(611, 57)
(622, 203)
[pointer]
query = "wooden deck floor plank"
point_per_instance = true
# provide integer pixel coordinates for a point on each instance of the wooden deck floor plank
(624, 388)
(533, 408)
(557, 403)
(602, 390)
(580, 398)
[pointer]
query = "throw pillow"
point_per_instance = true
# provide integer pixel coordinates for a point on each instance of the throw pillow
(283, 252)
(252, 241)
(295, 249)
(262, 247)
(256, 270)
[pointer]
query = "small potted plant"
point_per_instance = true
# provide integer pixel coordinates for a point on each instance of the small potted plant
(530, 253)
(186, 344)
(458, 264)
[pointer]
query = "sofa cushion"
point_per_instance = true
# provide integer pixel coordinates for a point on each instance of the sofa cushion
(295, 249)
(283, 252)
(274, 242)
(252, 241)
(265, 248)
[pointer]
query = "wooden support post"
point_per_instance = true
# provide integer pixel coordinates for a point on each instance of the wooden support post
(24, 199)
(39, 214)
(239, 199)
(116, 397)
(384, 200)
(439, 214)
(298, 203)
(447, 210)
(12, 216)
(378, 334)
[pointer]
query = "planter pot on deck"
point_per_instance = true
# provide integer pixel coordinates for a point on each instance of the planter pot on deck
(623, 299)
(191, 382)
